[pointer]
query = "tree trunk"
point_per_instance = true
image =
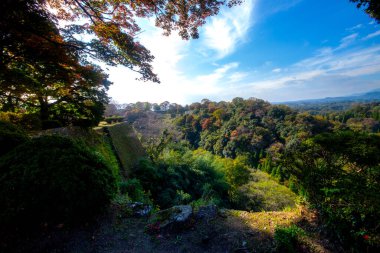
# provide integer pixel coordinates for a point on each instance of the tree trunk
(44, 112)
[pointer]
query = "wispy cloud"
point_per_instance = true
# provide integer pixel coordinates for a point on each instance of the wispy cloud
(330, 71)
(372, 35)
(346, 41)
(322, 73)
(355, 27)
(226, 31)
(176, 85)
(271, 7)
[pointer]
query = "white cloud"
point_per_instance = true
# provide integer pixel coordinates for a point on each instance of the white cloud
(175, 85)
(223, 33)
(267, 8)
(355, 27)
(346, 41)
(330, 72)
(329, 69)
(372, 35)
(217, 74)
(168, 52)
(237, 76)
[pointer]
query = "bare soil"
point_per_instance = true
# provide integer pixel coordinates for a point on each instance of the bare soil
(232, 231)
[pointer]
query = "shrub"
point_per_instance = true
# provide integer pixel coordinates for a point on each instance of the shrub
(339, 174)
(85, 123)
(10, 137)
(12, 117)
(30, 121)
(132, 187)
(263, 193)
(48, 124)
(181, 177)
(287, 238)
(114, 119)
(52, 180)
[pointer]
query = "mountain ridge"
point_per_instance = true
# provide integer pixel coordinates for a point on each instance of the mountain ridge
(370, 96)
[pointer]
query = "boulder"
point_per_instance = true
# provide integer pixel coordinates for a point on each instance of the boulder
(207, 212)
(175, 217)
(140, 209)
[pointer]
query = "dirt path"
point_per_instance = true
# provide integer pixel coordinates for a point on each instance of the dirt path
(235, 231)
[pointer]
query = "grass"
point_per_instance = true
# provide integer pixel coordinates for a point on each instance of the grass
(300, 219)
(267, 221)
(262, 193)
(127, 146)
(94, 138)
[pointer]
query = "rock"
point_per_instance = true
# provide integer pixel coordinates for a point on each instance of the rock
(206, 239)
(140, 209)
(175, 217)
(223, 213)
(207, 212)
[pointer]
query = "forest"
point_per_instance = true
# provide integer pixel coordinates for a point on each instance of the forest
(81, 173)
(331, 160)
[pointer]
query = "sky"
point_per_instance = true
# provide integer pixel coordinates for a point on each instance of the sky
(276, 50)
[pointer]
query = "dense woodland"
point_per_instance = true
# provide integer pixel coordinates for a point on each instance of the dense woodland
(331, 160)
(61, 164)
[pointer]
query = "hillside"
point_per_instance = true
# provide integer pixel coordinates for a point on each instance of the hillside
(277, 177)
(333, 103)
(127, 146)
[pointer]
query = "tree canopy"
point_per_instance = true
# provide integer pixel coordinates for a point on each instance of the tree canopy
(45, 65)
(40, 75)
(113, 28)
(372, 7)
(47, 47)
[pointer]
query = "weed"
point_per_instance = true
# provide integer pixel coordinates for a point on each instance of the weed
(287, 238)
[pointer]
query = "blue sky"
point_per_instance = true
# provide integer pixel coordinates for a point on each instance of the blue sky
(277, 50)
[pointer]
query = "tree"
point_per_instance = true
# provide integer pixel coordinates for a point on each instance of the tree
(340, 175)
(39, 75)
(45, 67)
(372, 7)
(113, 28)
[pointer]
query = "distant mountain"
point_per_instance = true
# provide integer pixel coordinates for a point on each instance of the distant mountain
(370, 96)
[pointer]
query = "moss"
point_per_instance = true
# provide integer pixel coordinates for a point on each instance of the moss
(127, 146)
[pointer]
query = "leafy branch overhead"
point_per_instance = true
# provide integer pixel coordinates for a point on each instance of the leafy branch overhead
(114, 27)
(372, 7)
(45, 65)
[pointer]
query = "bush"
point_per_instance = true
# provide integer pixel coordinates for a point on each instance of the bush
(339, 174)
(114, 119)
(30, 121)
(49, 124)
(181, 177)
(132, 187)
(10, 137)
(52, 180)
(85, 123)
(287, 238)
(263, 193)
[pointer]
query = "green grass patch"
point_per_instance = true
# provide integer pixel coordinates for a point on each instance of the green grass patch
(287, 238)
(262, 193)
(127, 146)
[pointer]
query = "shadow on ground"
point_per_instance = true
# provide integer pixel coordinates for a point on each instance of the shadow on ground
(230, 231)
